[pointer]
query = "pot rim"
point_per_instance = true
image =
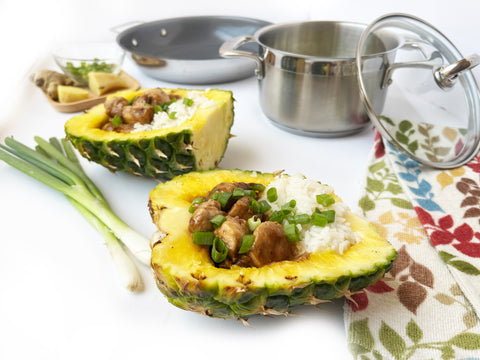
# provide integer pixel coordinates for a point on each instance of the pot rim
(308, 58)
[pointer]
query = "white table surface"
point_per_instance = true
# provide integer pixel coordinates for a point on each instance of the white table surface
(59, 297)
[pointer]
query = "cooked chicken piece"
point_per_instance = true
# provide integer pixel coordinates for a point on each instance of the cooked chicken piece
(153, 97)
(200, 220)
(240, 209)
(122, 128)
(115, 105)
(138, 114)
(270, 245)
(231, 232)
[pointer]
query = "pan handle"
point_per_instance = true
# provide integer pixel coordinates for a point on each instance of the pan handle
(230, 49)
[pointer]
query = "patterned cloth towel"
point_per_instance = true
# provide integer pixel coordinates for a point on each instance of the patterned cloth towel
(428, 305)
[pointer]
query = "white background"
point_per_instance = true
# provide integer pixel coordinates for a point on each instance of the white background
(59, 296)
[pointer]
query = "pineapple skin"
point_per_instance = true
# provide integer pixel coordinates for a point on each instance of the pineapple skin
(197, 144)
(185, 274)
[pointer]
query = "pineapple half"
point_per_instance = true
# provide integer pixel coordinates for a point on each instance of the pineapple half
(197, 144)
(186, 275)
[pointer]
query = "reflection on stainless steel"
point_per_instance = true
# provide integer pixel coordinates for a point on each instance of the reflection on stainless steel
(446, 75)
(307, 75)
(148, 61)
(435, 127)
(185, 50)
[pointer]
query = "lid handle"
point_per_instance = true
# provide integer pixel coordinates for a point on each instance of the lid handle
(445, 75)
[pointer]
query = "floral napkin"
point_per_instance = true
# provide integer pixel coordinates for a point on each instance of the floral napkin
(428, 305)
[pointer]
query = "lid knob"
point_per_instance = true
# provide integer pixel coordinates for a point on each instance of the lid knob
(445, 75)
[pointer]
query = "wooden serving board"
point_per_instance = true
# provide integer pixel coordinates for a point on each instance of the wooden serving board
(93, 100)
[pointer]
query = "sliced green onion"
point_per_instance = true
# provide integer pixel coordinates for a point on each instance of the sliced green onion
(290, 206)
(239, 192)
(277, 216)
(301, 219)
(130, 102)
(173, 115)
(203, 237)
(117, 120)
(259, 207)
(157, 109)
(319, 219)
(272, 194)
(257, 187)
(253, 223)
(195, 203)
(330, 215)
(247, 242)
(165, 106)
(325, 200)
(218, 220)
(221, 197)
(187, 101)
(219, 250)
(292, 232)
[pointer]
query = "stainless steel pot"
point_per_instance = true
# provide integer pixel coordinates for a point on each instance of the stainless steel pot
(186, 50)
(308, 78)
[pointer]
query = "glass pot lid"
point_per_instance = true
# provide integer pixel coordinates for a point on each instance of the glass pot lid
(418, 91)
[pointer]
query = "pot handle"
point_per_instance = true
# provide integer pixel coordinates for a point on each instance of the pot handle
(230, 49)
(444, 75)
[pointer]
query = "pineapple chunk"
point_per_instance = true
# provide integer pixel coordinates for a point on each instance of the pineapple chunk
(101, 82)
(69, 94)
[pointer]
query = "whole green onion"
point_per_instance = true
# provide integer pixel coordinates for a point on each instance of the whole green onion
(55, 164)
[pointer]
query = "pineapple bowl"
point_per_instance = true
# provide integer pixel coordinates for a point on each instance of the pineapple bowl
(213, 256)
(158, 133)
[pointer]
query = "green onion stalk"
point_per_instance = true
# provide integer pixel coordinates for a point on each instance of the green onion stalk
(55, 164)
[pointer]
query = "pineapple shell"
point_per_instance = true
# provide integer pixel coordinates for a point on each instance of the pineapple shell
(186, 275)
(197, 144)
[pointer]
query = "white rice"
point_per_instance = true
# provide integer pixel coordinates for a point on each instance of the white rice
(161, 120)
(337, 236)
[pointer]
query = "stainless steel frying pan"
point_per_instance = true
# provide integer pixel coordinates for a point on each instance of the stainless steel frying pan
(186, 50)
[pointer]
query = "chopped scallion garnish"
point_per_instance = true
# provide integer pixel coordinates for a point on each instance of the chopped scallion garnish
(272, 194)
(117, 120)
(319, 219)
(203, 237)
(221, 197)
(259, 207)
(247, 242)
(195, 203)
(219, 250)
(187, 101)
(329, 214)
(253, 223)
(292, 232)
(257, 187)
(217, 221)
(301, 219)
(173, 115)
(157, 109)
(239, 192)
(325, 200)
